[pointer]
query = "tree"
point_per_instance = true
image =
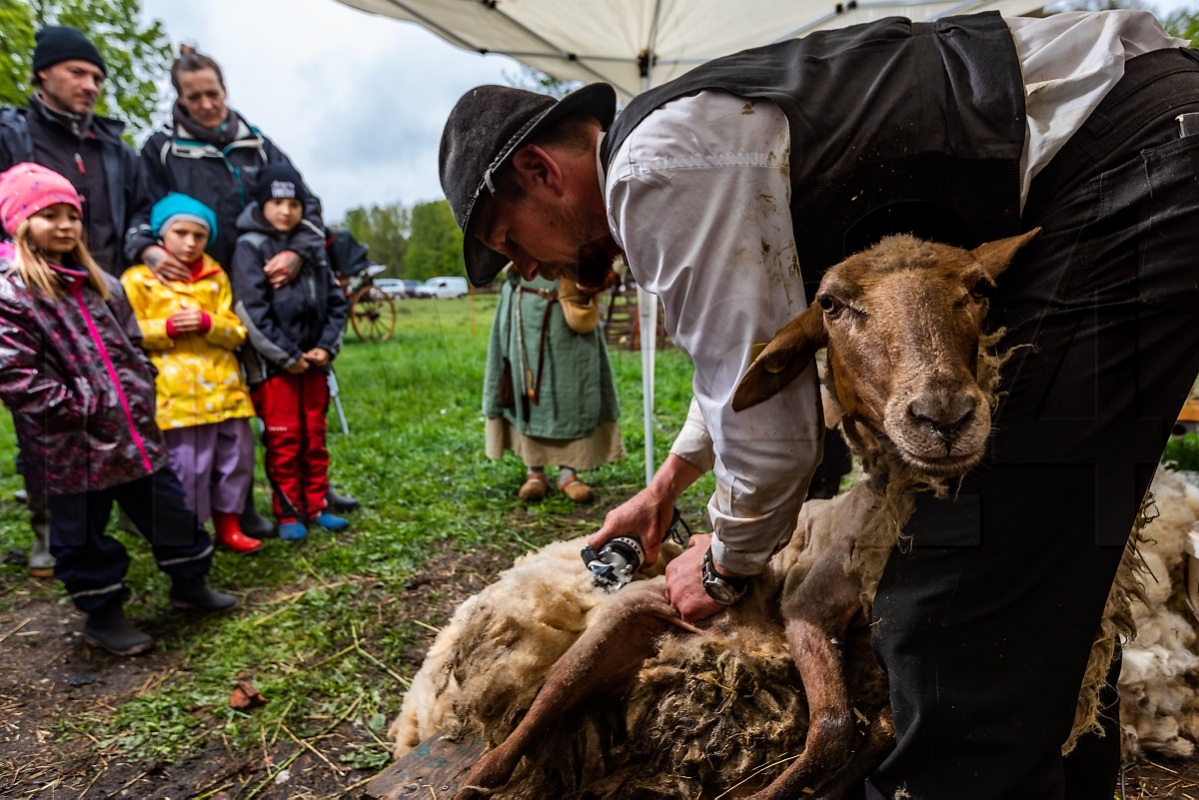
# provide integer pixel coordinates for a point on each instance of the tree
(137, 56)
(435, 245)
(384, 230)
(1185, 25)
(534, 80)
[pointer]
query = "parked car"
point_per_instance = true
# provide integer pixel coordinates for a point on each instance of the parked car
(442, 287)
(393, 286)
(411, 288)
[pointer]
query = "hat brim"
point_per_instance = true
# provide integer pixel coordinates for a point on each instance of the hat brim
(596, 100)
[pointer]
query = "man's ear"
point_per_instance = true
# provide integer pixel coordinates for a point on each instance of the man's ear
(535, 166)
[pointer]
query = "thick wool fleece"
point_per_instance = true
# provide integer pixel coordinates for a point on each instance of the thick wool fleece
(1159, 682)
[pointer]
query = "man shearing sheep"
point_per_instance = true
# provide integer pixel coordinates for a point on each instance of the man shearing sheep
(733, 188)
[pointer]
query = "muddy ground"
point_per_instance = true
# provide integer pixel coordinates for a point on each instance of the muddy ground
(47, 673)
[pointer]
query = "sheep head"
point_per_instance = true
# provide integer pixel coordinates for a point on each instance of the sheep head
(901, 323)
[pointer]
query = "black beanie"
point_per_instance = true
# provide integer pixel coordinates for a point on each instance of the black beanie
(58, 43)
(279, 180)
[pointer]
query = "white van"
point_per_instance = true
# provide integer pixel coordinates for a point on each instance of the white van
(442, 287)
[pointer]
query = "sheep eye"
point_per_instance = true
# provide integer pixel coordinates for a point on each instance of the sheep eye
(982, 288)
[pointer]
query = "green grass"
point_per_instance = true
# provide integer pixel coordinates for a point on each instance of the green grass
(1182, 452)
(317, 631)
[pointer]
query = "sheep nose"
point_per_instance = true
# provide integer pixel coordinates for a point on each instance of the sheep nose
(945, 415)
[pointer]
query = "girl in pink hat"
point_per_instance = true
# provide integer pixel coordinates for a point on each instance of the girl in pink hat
(82, 395)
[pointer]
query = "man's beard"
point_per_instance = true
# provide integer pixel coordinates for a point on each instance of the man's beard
(593, 263)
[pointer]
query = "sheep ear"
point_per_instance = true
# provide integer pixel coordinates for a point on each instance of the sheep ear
(788, 354)
(995, 256)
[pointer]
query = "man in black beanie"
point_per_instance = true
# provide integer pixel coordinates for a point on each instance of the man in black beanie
(60, 131)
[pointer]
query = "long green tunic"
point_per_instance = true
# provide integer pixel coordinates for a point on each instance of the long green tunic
(577, 391)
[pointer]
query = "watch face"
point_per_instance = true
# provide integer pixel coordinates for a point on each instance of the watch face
(717, 587)
(720, 591)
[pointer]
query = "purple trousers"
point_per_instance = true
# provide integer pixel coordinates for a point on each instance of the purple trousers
(215, 464)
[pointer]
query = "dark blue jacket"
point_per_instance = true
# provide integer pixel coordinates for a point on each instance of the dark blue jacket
(283, 323)
(120, 171)
(219, 178)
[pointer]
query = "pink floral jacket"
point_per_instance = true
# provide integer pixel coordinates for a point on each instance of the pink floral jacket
(78, 383)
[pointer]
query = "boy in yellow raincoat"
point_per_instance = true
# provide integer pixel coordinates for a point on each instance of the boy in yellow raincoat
(191, 333)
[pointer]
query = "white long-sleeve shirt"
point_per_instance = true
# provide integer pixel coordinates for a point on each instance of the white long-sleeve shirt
(698, 198)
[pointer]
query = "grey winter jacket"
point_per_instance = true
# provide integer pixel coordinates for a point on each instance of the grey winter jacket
(282, 323)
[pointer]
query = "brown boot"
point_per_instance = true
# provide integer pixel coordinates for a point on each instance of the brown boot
(576, 490)
(535, 487)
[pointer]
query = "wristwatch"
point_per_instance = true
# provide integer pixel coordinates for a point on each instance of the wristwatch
(725, 591)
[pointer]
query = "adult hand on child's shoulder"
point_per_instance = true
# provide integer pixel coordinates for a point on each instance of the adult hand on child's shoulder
(165, 266)
(282, 268)
(299, 366)
(317, 356)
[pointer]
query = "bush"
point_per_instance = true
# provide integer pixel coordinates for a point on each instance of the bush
(1183, 452)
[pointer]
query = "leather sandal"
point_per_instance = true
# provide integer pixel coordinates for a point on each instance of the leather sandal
(535, 488)
(576, 490)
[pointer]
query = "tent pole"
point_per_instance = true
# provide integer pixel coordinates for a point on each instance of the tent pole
(647, 309)
(647, 306)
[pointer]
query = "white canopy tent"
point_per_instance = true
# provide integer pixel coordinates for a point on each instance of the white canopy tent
(638, 44)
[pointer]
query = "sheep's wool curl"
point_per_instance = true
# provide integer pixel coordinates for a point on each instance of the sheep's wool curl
(1159, 682)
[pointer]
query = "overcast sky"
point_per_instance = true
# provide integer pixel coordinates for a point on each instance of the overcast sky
(357, 101)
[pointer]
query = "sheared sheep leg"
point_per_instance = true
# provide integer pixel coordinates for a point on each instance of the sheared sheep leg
(817, 609)
(606, 658)
(879, 742)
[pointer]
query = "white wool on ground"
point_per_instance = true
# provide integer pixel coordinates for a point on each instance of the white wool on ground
(1159, 682)
(544, 601)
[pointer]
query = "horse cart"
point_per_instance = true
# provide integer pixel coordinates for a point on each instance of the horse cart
(372, 311)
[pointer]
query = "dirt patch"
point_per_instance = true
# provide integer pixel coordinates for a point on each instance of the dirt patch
(47, 674)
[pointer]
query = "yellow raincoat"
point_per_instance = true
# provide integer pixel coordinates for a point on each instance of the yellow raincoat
(199, 378)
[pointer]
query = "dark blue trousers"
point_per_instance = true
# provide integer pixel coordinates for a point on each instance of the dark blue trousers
(985, 625)
(92, 564)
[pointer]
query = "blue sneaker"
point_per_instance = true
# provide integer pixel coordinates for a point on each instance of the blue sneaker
(331, 522)
(292, 531)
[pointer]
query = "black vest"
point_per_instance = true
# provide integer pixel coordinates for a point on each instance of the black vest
(896, 127)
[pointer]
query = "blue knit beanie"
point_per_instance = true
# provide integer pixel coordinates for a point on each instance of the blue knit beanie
(177, 207)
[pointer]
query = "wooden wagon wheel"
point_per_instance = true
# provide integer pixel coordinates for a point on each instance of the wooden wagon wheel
(373, 314)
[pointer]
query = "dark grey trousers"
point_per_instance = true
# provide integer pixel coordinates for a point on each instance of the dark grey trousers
(985, 625)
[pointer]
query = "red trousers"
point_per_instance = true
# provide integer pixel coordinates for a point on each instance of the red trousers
(293, 409)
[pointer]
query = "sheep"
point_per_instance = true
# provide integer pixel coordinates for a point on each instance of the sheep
(1159, 681)
(722, 711)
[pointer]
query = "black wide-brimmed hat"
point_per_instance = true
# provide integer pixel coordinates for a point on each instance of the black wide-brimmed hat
(486, 127)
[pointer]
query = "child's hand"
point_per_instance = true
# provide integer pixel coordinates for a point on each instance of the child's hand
(317, 356)
(187, 321)
(299, 366)
(282, 268)
(166, 267)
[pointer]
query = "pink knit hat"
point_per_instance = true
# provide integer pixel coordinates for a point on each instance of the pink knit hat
(28, 188)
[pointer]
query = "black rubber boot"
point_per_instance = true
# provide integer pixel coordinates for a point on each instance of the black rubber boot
(199, 596)
(254, 524)
(341, 502)
(108, 629)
